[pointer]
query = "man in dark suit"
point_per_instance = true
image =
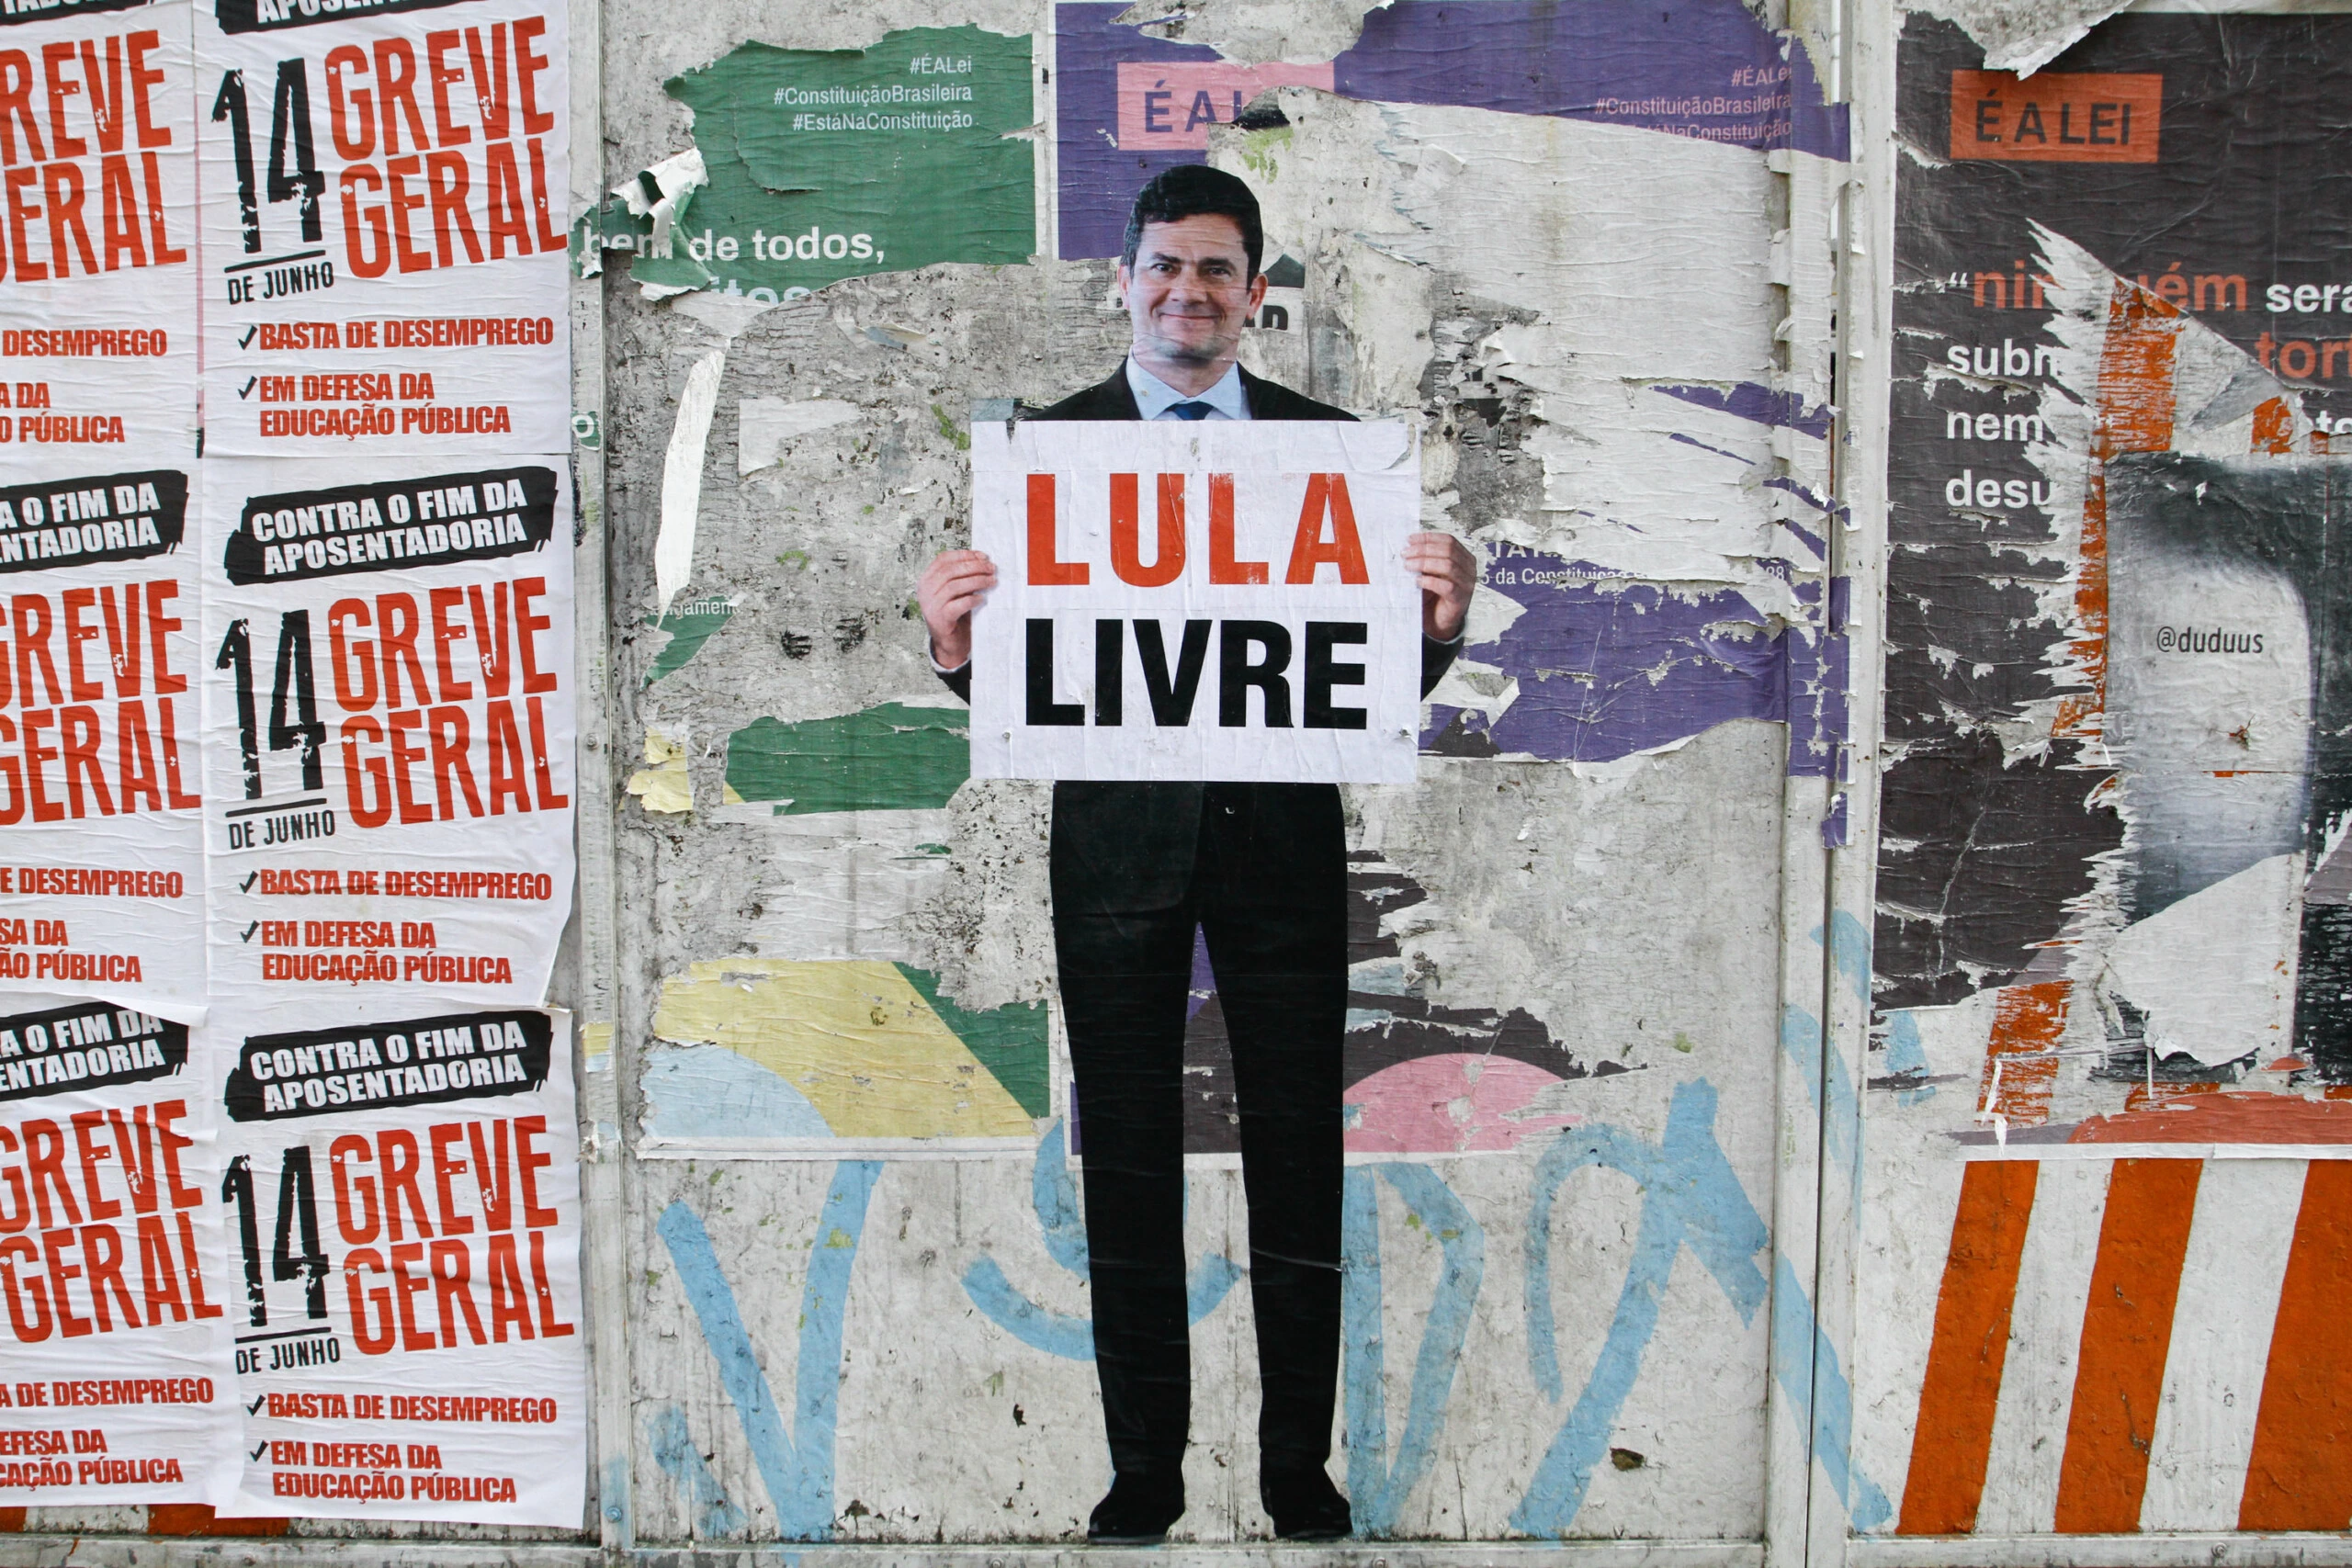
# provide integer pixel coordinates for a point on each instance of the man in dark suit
(1261, 869)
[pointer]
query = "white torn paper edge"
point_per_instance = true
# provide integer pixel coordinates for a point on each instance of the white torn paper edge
(2215, 972)
(726, 314)
(673, 547)
(764, 424)
(2024, 36)
(677, 177)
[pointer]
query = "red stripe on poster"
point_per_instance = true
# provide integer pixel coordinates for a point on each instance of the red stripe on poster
(2299, 1476)
(2135, 398)
(2127, 1329)
(1962, 1387)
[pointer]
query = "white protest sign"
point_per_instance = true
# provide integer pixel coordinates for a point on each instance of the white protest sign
(1214, 599)
(389, 712)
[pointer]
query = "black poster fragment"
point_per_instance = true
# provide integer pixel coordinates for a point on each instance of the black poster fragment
(2205, 159)
(381, 1066)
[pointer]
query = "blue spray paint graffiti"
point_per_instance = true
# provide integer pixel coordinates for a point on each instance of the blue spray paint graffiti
(1054, 1194)
(1377, 1486)
(1906, 1056)
(1799, 1346)
(1827, 1399)
(797, 1466)
(1841, 1129)
(674, 1451)
(1849, 950)
(1690, 1197)
(1808, 1050)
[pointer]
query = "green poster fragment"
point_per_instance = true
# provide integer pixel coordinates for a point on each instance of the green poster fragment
(891, 757)
(833, 163)
(689, 625)
(1009, 1040)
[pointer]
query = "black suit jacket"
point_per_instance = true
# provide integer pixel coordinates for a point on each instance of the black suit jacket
(1127, 848)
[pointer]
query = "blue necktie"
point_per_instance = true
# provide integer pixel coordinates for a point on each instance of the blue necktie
(1192, 411)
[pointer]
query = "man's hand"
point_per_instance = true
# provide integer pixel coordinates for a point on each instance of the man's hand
(952, 587)
(1449, 575)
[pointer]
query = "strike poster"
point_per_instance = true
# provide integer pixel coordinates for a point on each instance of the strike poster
(101, 847)
(384, 257)
(97, 317)
(116, 1382)
(389, 723)
(404, 1189)
(1215, 600)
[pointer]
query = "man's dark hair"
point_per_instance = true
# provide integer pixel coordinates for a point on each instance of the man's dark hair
(1195, 190)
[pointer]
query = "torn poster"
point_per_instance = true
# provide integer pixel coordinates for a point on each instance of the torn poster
(409, 1345)
(823, 164)
(1128, 105)
(384, 248)
(2118, 789)
(1268, 630)
(390, 723)
(112, 1260)
(101, 830)
(97, 335)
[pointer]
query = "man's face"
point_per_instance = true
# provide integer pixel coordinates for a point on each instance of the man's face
(1190, 292)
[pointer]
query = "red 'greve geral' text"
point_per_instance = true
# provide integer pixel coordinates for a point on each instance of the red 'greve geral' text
(423, 1274)
(410, 197)
(95, 1228)
(409, 738)
(81, 157)
(90, 707)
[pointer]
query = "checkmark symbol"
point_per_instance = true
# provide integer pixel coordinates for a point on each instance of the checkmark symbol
(260, 1448)
(249, 930)
(248, 337)
(255, 1408)
(247, 884)
(246, 391)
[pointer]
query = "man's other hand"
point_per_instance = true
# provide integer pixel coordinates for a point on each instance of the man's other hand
(1449, 575)
(952, 587)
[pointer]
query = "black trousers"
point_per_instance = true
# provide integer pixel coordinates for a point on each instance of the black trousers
(1268, 891)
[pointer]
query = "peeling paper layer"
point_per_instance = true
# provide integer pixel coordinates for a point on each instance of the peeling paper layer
(1707, 70)
(2024, 36)
(1658, 568)
(873, 1049)
(676, 179)
(673, 547)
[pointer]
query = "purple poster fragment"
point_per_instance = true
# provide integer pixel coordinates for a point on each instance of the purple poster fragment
(1607, 666)
(1129, 106)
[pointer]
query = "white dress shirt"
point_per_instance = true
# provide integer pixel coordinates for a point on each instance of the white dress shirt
(1227, 399)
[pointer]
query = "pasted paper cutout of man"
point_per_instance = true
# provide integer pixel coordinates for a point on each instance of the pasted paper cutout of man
(1261, 870)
